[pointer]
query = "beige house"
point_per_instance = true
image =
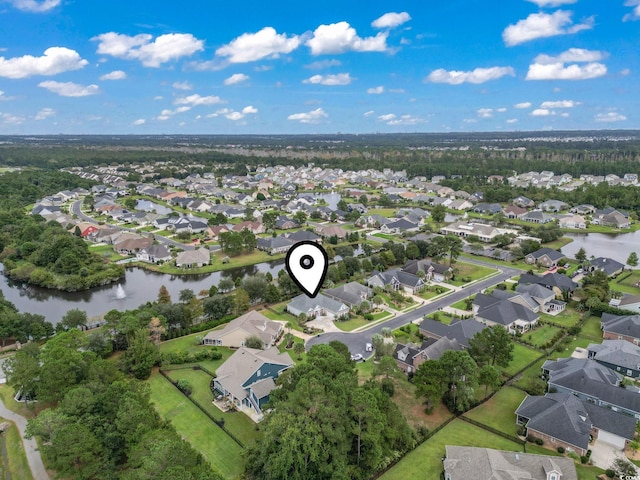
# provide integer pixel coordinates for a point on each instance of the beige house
(250, 324)
(193, 258)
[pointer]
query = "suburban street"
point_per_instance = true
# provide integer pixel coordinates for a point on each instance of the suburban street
(76, 210)
(356, 341)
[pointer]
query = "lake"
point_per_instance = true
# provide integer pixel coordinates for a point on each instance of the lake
(615, 246)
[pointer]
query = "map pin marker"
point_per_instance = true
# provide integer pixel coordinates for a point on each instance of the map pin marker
(307, 264)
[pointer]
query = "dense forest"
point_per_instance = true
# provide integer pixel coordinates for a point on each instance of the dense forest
(44, 253)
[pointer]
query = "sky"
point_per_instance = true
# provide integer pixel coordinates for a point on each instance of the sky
(292, 67)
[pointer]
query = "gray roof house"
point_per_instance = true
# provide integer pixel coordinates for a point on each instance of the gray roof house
(193, 258)
(432, 271)
(409, 357)
(464, 463)
(607, 265)
(564, 420)
(319, 306)
(618, 355)
(621, 327)
(273, 245)
(154, 254)
(545, 256)
(459, 330)
(248, 377)
(592, 382)
(236, 331)
(501, 309)
(396, 279)
(352, 293)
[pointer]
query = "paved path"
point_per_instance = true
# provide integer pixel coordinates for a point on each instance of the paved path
(356, 341)
(30, 446)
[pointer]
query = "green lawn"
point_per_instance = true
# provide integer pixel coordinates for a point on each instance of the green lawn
(294, 356)
(384, 236)
(568, 318)
(559, 243)
(467, 272)
(407, 334)
(627, 284)
(187, 343)
(541, 335)
(18, 467)
(425, 462)
(241, 426)
(498, 412)
(522, 356)
(216, 446)
(592, 329)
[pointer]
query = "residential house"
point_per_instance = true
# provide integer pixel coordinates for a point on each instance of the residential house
(304, 236)
(320, 306)
(250, 324)
(399, 226)
(193, 258)
(331, 231)
(488, 208)
(584, 209)
(274, 245)
(544, 298)
(486, 233)
(565, 420)
(248, 377)
(545, 256)
(461, 204)
(573, 221)
(410, 357)
(621, 327)
(459, 330)
(285, 223)
(610, 217)
(607, 265)
(553, 206)
(254, 227)
(154, 254)
(504, 309)
(560, 284)
(396, 279)
(432, 271)
(352, 293)
(591, 382)
(618, 355)
(523, 202)
(514, 211)
(630, 302)
(215, 231)
(537, 216)
(465, 463)
(131, 243)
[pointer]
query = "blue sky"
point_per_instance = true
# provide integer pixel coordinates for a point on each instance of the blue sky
(255, 67)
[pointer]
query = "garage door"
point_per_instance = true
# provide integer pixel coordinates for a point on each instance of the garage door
(611, 439)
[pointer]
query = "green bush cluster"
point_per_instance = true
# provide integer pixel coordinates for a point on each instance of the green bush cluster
(178, 358)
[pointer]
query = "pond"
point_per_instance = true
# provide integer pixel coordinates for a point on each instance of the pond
(615, 246)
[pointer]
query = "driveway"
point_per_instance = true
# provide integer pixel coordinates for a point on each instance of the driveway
(30, 446)
(324, 323)
(603, 455)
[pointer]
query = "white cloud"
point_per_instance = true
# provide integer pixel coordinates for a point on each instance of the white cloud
(559, 104)
(115, 75)
(266, 43)
(164, 48)
(558, 71)
(321, 64)
(11, 119)
(140, 121)
(314, 116)
(55, 60)
(332, 80)
(368, 114)
(479, 75)
(70, 89)
(166, 113)
(391, 20)
(541, 112)
(541, 25)
(182, 86)
(610, 117)
(376, 90)
(196, 99)
(249, 109)
(635, 13)
(485, 112)
(236, 78)
(501, 110)
(158, 97)
(341, 37)
(35, 6)
(512, 120)
(387, 117)
(572, 55)
(235, 116)
(552, 3)
(406, 120)
(45, 113)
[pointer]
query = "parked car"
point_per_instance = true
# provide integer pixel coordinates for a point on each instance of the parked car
(357, 357)
(368, 347)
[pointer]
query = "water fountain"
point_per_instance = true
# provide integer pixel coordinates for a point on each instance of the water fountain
(120, 293)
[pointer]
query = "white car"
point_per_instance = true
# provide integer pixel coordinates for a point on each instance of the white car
(357, 357)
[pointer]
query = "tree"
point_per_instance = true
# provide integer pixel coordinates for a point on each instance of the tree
(74, 318)
(453, 247)
(386, 366)
(300, 217)
(298, 349)
(141, 355)
(254, 341)
(226, 284)
(240, 301)
(256, 287)
(489, 376)
(429, 382)
(632, 259)
(623, 468)
(438, 213)
(492, 346)
(269, 220)
(163, 295)
(288, 339)
(23, 369)
(156, 330)
(186, 295)
(217, 306)
(581, 255)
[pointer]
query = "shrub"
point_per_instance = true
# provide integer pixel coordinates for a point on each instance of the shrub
(560, 449)
(386, 385)
(531, 438)
(610, 473)
(368, 316)
(184, 386)
(539, 441)
(584, 459)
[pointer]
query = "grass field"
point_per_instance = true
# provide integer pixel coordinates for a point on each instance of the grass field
(522, 356)
(592, 329)
(627, 284)
(541, 335)
(187, 344)
(216, 446)
(241, 426)
(17, 467)
(498, 412)
(467, 272)
(568, 318)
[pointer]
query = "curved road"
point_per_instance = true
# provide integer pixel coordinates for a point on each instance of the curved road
(76, 210)
(30, 446)
(357, 341)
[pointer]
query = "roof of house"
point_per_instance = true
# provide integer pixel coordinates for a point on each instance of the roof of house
(463, 463)
(199, 255)
(607, 265)
(274, 242)
(239, 367)
(303, 236)
(352, 293)
(159, 251)
(415, 266)
(437, 349)
(629, 300)
(554, 255)
(252, 323)
(460, 330)
(305, 303)
(616, 352)
(549, 280)
(499, 308)
(565, 417)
